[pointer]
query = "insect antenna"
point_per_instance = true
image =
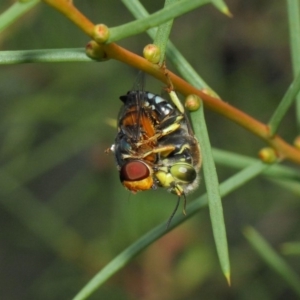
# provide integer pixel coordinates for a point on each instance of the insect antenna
(184, 204)
(173, 213)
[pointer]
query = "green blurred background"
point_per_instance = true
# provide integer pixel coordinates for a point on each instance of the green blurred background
(63, 213)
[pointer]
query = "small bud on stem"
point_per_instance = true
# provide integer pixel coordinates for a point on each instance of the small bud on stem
(192, 102)
(95, 51)
(101, 33)
(152, 53)
(267, 155)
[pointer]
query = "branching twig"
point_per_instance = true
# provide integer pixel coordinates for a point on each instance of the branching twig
(283, 149)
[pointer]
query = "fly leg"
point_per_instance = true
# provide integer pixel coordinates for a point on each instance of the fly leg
(166, 131)
(164, 150)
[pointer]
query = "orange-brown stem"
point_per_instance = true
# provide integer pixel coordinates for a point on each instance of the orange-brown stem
(284, 150)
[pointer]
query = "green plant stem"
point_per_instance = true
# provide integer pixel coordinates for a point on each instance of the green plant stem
(288, 184)
(284, 150)
(293, 9)
(284, 105)
(238, 161)
(47, 55)
(173, 55)
(222, 7)
(291, 248)
(127, 255)
(213, 194)
(168, 13)
(272, 258)
(32, 213)
(14, 12)
(162, 35)
(25, 167)
(114, 51)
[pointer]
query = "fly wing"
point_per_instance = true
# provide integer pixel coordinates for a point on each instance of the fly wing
(139, 102)
(133, 118)
(139, 83)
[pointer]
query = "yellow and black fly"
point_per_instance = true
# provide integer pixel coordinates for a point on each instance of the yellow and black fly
(155, 145)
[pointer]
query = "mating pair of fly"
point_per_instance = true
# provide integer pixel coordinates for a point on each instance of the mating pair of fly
(155, 145)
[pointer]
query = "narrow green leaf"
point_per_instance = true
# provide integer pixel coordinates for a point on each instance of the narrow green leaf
(294, 29)
(78, 54)
(124, 257)
(240, 178)
(168, 13)
(32, 213)
(292, 248)
(46, 55)
(269, 255)
(139, 12)
(222, 7)
(284, 105)
(212, 187)
(26, 167)
(186, 70)
(291, 185)
(293, 9)
(174, 56)
(238, 161)
(14, 12)
(162, 34)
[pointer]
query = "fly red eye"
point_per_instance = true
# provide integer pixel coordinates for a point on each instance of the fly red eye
(134, 171)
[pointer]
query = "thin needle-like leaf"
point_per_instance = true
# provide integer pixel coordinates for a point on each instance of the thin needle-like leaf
(45, 55)
(284, 105)
(174, 56)
(162, 35)
(168, 13)
(291, 248)
(293, 9)
(292, 186)
(42, 158)
(212, 187)
(14, 12)
(123, 258)
(222, 7)
(33, 214)
(269, 255)
(238, 161)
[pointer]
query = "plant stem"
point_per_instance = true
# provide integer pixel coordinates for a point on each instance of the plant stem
(283, 149)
